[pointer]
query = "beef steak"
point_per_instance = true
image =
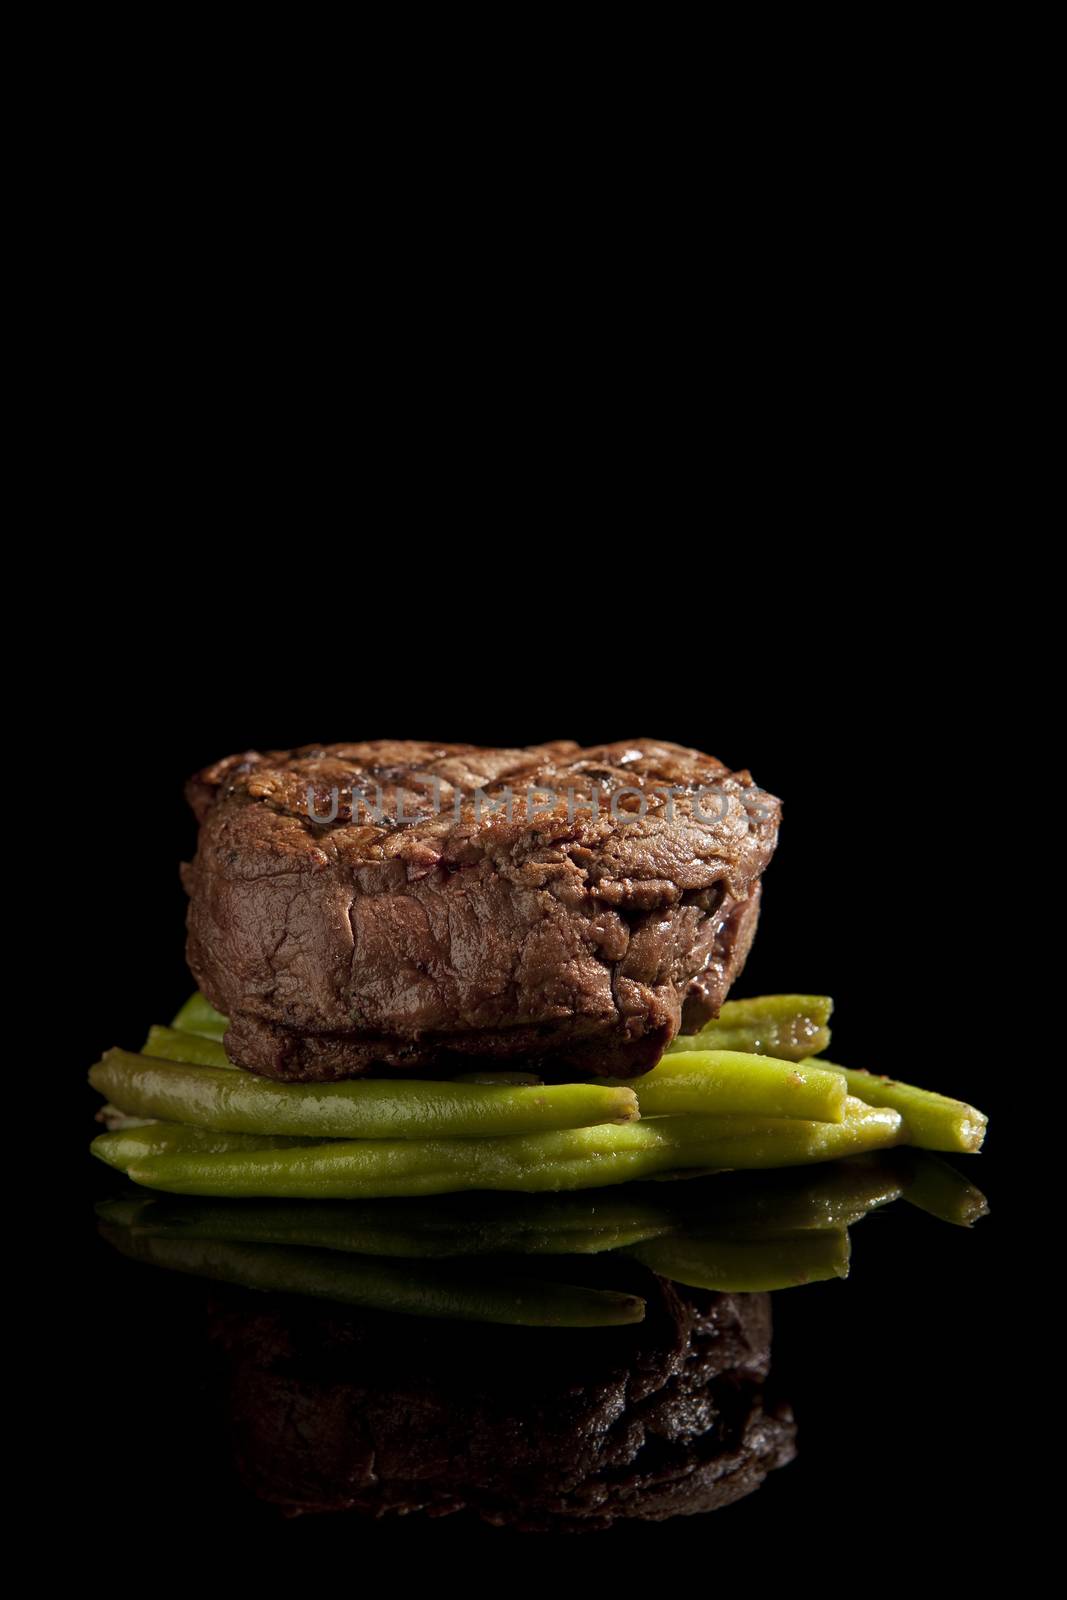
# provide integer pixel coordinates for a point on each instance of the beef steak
(390, 903)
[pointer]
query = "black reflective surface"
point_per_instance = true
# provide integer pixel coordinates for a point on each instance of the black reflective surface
(267, 1409)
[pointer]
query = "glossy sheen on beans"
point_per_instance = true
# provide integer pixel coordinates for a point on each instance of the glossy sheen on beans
(726, 1082)
(931, 1121)
(125, 1146)
(790, 1026)
(582, 1158)
(195, 1049)
(372, 1108)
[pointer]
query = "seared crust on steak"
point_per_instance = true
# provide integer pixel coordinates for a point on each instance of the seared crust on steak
(380, 904)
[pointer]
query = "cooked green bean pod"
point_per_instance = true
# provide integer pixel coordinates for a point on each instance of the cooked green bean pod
(198, 1015)
(931, 1121)
(195, 1049)
(790, 1026)
(124, 1147)
(726, 1082)
(368, 1108)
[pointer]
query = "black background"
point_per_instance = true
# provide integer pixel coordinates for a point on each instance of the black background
(868, 709)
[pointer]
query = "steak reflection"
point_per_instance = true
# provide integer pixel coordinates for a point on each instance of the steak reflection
(381, 1415)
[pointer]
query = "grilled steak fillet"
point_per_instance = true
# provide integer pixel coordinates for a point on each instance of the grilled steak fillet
(359, 905)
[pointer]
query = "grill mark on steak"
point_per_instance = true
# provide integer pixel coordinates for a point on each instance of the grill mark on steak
(336, 947)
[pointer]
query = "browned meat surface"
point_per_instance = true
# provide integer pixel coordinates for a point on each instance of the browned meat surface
(410, 910)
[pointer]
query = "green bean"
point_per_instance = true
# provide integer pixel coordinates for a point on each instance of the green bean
(931, 1121)
(577, 1158)
(790, 1026)
(170, 1044)
(398, 1228)
(934, 1186)
(726, 1082)
(368, 1108)
(740, 1265)
(198, 1015)
(385, 1286)
(125, 1147)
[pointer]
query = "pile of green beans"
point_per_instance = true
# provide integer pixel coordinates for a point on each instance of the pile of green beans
(744, 1093)
(573, 1158)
